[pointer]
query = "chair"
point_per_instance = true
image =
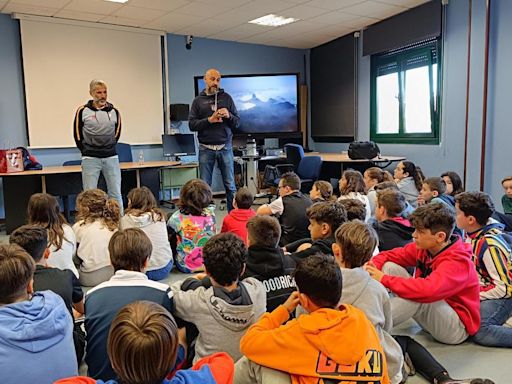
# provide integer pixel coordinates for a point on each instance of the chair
(309, 171)
(294, 154)
(124, 152)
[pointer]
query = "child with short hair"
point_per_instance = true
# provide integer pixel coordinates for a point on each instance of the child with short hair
(290, 208)
(453, 183)
(97, 220)
(44, 210)
(409, 180)
(223, 306)
(192, 225)
(309, 348)
(130, 250)
(324, 219)
(356, 210)
(392, 229)
(506, 199)
(433, 190)
(352, 186)
(321, 191)
(492, 259)
(443, 294)
(143, 348)
(266, 260)
(36, 330)
(373, 176)
(34, 240)
(409, 209)
(143, 213)
(236, 220)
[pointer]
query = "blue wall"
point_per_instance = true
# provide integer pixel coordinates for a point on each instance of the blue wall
(228, 57)
(449, 154)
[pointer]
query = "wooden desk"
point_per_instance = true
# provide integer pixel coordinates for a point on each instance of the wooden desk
(61, 180)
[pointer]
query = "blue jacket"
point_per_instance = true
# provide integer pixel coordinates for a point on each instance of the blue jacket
(36, 340)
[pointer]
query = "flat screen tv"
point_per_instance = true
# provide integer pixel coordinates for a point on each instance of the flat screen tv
(267, 104)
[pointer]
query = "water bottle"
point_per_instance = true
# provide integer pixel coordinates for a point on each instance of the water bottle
(141, 157)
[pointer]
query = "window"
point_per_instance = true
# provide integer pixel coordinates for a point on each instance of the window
(405, 94)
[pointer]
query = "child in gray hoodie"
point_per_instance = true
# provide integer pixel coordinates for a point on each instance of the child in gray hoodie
(218, 304)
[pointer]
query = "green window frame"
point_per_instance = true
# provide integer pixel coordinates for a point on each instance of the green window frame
(390, 72)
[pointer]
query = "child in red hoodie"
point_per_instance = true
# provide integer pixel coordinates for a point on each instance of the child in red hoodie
(236, 221)
(443, 294)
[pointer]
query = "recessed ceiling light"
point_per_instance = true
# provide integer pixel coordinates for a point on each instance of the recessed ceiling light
(118, 1)
(273, 20)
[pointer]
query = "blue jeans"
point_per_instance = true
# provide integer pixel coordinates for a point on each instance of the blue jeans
(91, 169)
(160, 274)
(492, 333)
(224, 159)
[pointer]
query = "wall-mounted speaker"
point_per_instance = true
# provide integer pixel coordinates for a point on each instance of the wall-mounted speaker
(179, 112)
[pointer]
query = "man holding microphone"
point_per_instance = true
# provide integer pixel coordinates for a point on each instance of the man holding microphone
(213, 116)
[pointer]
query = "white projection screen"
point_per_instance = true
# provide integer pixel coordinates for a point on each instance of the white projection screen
(61, 57)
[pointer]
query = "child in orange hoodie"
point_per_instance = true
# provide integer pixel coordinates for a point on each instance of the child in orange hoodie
(330, 343)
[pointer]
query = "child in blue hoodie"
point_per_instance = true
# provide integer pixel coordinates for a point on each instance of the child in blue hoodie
(143, 347)
(36, 329)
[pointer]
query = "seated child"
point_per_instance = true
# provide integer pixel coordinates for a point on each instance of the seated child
(392, 229)
(266, 261)
(290, 208)
(433, 190)
(443, 294)
(453, 183)
(129, 250)
(143, 213)
(192, 225)
(34, 240)
(506, 199)
(143, 348)
(236, 220)
(356, 210)
(97, 220)
(409, 180)
(44, 210)
(221, 307)
(324, 219)
(328, 344)
(36, 329)
(409, 209)
(321, 191)
(352, 186)
(492, 259)
(373, 176)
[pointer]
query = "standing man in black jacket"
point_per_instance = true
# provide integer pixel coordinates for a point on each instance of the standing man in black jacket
(96, 128)
(213, 116)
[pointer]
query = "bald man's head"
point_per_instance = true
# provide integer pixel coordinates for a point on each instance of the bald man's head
(212, 80)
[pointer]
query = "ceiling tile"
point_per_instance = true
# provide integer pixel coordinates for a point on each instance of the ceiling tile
(333, 18)
(225, 3)
(164, 5)
(84, 16)
(46, 4)
(373, 9)
(2, 3)
(204, 28)
(137, 13)
(266, 6)
(303, 12)
(29, 9)
(405, 3)
(117, 20)
(335, 30)
(361, 22)
(173, 22)
(204, 10)
(333, 4)
(100, 7)
(244, 30)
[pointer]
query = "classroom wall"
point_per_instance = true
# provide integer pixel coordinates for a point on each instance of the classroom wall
(449, 154)
(228, 57)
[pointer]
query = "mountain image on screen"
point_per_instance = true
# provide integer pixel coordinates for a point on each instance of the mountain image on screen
(265, 103)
